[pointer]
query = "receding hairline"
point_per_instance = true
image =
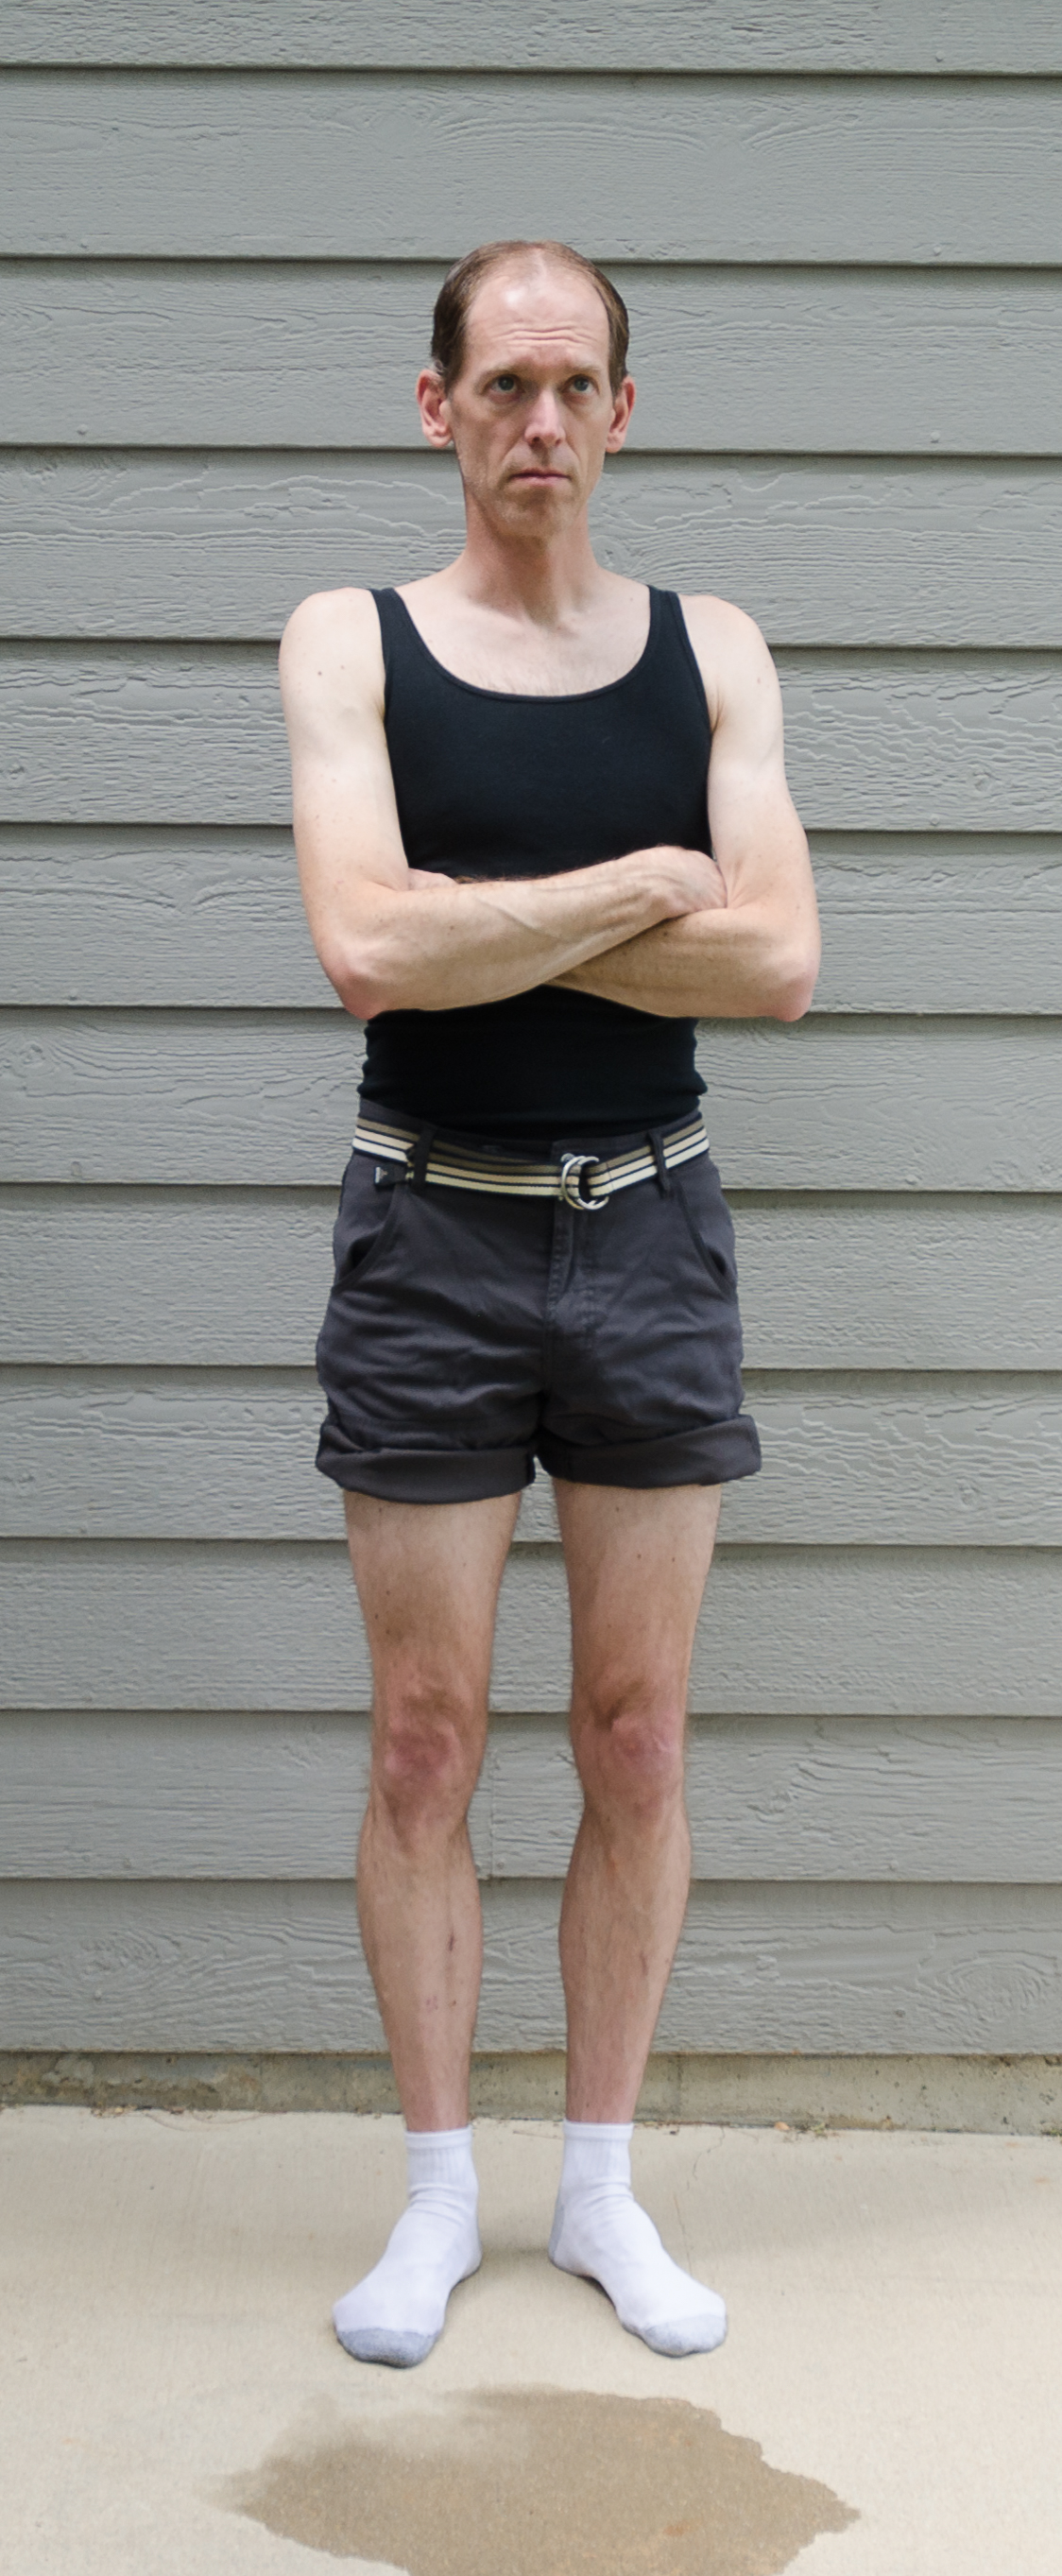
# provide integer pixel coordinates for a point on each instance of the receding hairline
(535, 262)
(464, 285)
(529, 268)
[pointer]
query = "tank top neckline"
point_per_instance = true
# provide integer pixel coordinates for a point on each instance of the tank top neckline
(539, 697)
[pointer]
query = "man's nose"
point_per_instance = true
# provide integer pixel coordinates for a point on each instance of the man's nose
(543, 419)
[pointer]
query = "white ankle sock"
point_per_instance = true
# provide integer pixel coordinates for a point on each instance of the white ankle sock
(600, 2231)
(397, 2312)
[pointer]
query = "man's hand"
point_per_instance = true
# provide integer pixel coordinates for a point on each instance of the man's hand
(692, 877)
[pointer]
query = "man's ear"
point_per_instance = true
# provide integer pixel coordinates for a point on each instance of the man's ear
(434, 409)
(621, 417)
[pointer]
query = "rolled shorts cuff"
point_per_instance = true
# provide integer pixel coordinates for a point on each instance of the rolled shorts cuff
(714, 1455)
(424, 1475)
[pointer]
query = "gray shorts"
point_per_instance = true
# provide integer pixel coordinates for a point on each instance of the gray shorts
(467, 1335)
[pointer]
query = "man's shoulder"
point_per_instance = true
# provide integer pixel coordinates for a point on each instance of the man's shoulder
(732, 656)
(332, 670)
(331, 654)
(717, 624)
(331, 617)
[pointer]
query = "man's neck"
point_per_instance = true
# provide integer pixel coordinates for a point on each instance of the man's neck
(540, 584)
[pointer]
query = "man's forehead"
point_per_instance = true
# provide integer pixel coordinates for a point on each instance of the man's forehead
(541, 313)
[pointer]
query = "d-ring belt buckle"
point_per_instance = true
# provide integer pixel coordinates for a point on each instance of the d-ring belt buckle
(570, 1188)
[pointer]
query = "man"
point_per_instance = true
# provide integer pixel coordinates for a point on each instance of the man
(521, 871)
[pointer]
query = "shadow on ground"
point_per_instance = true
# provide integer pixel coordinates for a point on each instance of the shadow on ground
(544, 2482)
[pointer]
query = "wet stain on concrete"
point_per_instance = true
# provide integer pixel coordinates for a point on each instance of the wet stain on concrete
(544, 2482)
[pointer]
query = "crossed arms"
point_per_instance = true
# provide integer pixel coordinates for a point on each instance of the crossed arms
(663, 930)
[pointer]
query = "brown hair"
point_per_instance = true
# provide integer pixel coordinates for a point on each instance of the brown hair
(453, 304)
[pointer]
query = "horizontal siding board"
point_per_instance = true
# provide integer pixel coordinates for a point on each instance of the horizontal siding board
(200, 919)
(889, 742)
(162, 1794)
(821, 1969)
(903, 1283)
(927, 1463)
(314, 355)
(908, 1632)
(829, 1104)
(195, 919)
(822, 551)
(133, 1277)
(680, 35)
(846, 1799)
(958, 1461)
(819, 551)
(939, 923)
(876, 741)
(155, 1275)
(400, 166)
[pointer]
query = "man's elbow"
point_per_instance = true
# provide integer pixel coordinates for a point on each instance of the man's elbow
(359, 976)
(794, 980)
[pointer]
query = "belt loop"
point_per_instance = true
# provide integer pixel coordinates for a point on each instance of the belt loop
(663, 1176)
(418, 1170)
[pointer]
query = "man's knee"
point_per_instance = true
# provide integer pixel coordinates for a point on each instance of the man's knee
(427, 1749)
(628, 1736)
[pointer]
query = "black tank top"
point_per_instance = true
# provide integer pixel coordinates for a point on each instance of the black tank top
(492, 785)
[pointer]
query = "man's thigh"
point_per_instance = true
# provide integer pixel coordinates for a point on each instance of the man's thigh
(637, 1562)
(428, 1577)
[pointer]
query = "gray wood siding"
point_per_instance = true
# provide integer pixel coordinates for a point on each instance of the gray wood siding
(542, 35)
(838, 232)
(178, 1453)
(209, 166)
(813, 1967)
(168, 1793)
(202, 919)
(125, 1276)
(880, 741)
(846, 1103)
(876, 362)
(787, 1630)
(823, 551)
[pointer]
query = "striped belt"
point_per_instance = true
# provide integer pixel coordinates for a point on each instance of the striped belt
(581, 1180)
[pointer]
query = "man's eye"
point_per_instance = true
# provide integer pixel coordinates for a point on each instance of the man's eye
(504, 384)
(582, 385)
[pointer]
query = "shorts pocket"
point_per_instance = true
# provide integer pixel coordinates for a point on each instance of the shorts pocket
(368, 1217)
(708, 1223)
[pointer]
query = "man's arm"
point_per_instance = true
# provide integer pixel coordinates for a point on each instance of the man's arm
(391, 939)
(755, 952)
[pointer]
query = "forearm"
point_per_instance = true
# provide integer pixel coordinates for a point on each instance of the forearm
(442, 945)
(733, 963)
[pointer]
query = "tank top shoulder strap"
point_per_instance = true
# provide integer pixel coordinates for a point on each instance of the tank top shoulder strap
(397, 635)
(673, 627)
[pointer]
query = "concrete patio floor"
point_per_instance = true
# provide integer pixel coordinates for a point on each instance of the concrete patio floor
(887, 2404)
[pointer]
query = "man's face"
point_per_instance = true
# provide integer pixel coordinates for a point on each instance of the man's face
(532, 414)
